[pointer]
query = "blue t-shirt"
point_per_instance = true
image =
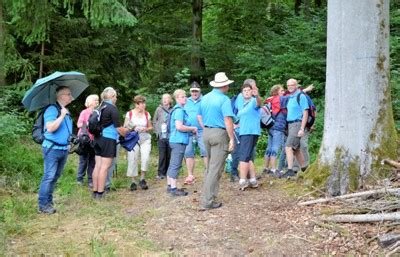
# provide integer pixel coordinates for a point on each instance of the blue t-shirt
(214, 107)
(294, 110)
(192, 109)
(238, 105)
(249, 116)
(176, 136)
(63, 132)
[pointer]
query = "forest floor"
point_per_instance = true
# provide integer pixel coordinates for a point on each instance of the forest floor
(259, 222)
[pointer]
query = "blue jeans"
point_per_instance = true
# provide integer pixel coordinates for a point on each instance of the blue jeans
(86, 165)
(54, 162)
(175, 164)
(190, 148)
(275, 143)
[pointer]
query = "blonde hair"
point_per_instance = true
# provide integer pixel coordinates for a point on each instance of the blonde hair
(275, 90)
(179, 92)
(108, 93)
(90, 99)
(169, 98)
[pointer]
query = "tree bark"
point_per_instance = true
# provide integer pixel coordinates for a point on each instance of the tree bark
(307, 8)
(2, 48)
(297, 4)
(358, 127)
(41, 60)
(197, 62)
(365, 217)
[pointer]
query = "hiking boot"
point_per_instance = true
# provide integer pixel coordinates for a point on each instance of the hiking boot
(278, 174)
(253, 185)
(234, 178)
(214, 205)
(100, 196)
(267, 171)
(243, 185)
(178, 192)
(133, 186)
(304, 168)
(143, 185)
(47, 210)
(289, 173)
(160, 177)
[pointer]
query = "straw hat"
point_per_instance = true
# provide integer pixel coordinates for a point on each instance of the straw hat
(220, 80)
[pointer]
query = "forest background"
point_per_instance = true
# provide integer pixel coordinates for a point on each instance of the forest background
(155, 47)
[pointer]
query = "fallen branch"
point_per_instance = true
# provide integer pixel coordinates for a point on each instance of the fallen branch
(392, 163)
(388, 239)
(394, 191)
(395, 216)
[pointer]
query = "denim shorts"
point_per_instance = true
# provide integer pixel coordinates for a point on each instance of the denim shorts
(275, 143)
(247, 145)
(190, 148)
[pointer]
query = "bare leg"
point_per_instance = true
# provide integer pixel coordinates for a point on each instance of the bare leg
(105, 165)
(243, 170)
(289, 157)
(96, 171)
(190, 166)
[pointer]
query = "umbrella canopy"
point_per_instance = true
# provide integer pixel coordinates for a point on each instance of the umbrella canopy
(43, 92)
(130, 140)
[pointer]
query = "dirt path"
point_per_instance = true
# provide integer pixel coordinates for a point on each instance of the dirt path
(258, 222)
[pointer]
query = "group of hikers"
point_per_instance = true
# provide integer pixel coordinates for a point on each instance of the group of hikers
(214, 123)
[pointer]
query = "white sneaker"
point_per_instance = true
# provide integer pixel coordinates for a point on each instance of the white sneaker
(243, 185)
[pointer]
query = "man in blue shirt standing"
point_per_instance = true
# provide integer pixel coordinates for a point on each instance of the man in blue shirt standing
(58, 128)
(192, 107)
(216, 115)
(297, 115)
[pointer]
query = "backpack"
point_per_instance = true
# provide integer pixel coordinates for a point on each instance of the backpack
(95, 127)
(39, 126)
(312, 110)
(165, 127)
(169, 121)
(266, 118)
(84, 141)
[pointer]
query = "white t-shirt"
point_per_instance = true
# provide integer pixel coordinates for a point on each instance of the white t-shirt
(139, 121)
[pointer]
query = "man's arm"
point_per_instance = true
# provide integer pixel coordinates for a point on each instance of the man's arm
(52, 126)
(200, 120)
(229, 128)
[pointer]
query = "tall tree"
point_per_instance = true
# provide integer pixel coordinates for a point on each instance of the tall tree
(197, 61)
(31, 19)
(2, 48)
(359, 128)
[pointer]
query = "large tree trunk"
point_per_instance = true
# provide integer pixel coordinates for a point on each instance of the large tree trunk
(197, 62)
(2, 48)
(358, 128)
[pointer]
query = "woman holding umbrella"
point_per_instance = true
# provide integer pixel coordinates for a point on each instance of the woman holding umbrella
(105, 144)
